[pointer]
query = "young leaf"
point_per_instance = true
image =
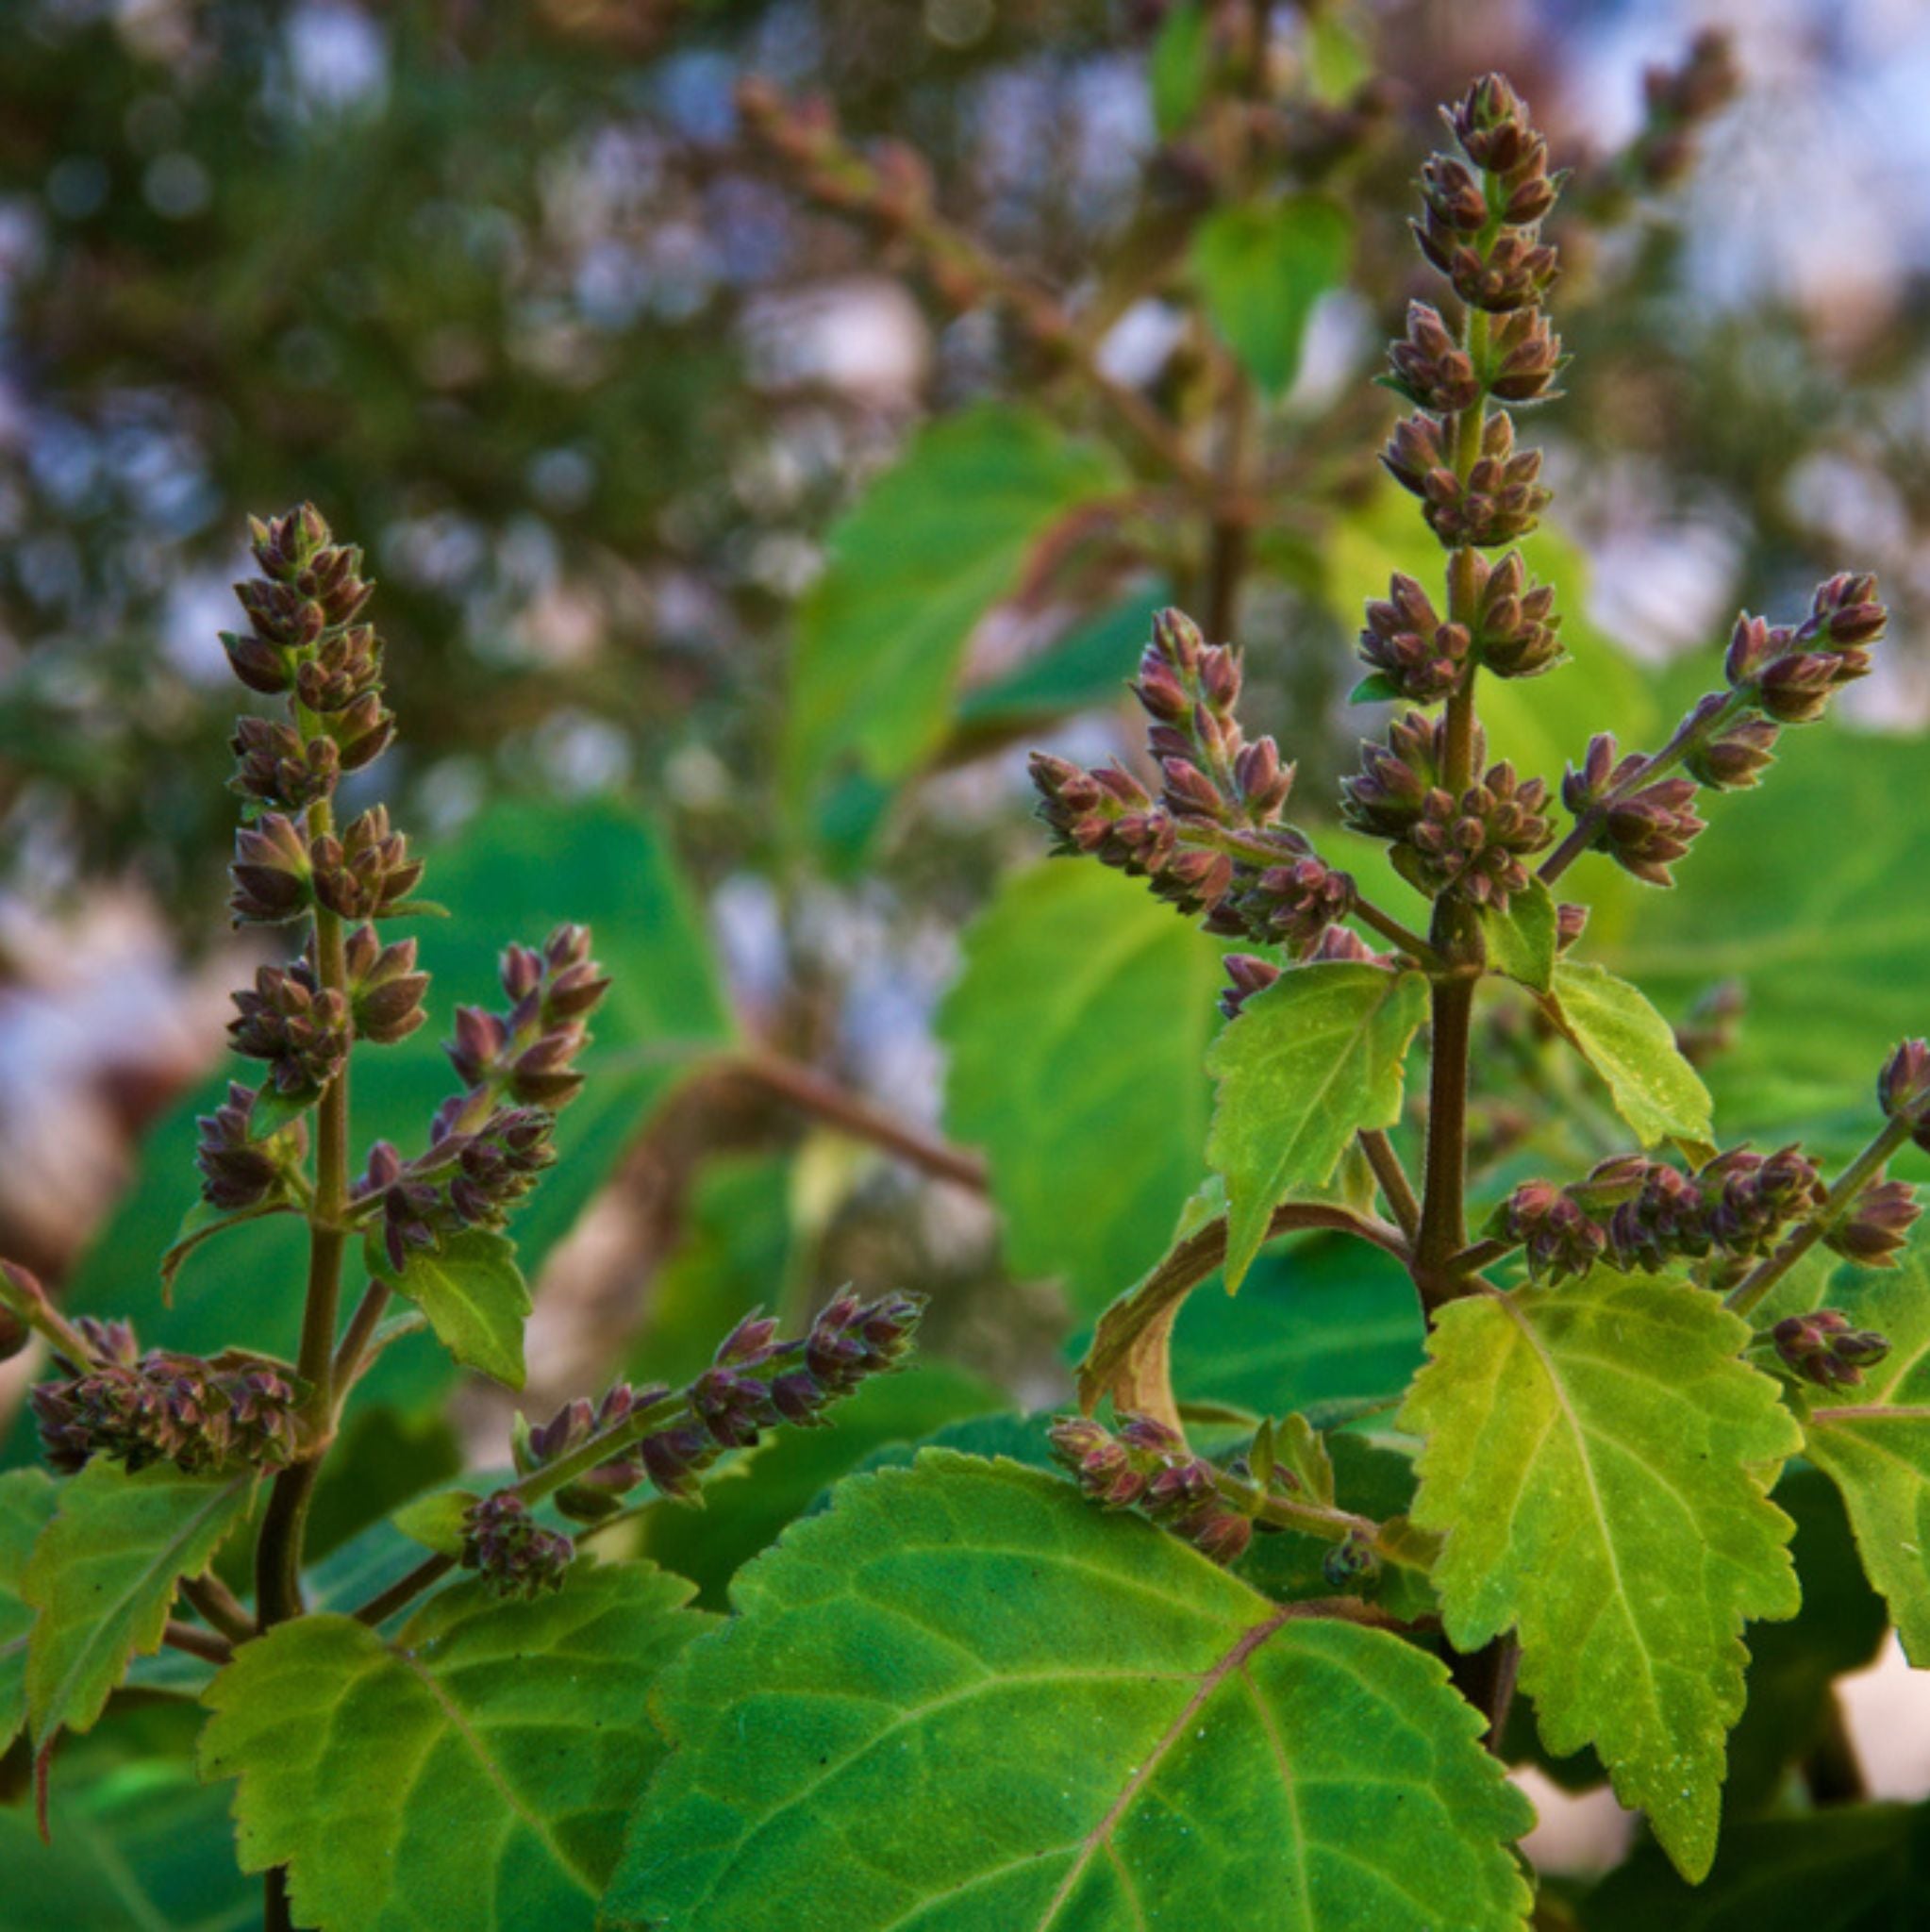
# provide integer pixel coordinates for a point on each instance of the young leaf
(473, 1774)
(1308, 1064)
(1092, 1153)
(1873, 1440)
(1032, 1715)
(102, 1578)
(1521, 942)
(914, 565)
(1613, 1026)
(28, 1500)
(473, 1295)
(1261, 269)
(1598, 1458)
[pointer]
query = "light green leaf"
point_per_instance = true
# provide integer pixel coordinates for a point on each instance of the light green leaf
(1852, 1867)
(473, 1774)
(1261, 268)
(1521, 942)
(924, 554)
(1633, 1048)
(1309, 1063)
(472, 1292)
(1598, 1458)
(1032, 1715)
(103, 1577)
(28, 1500)
(1873, 1441)
(1093, 1152)
(436, 1520)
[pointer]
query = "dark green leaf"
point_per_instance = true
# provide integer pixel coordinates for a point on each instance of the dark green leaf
(1088, 668)
(28, 1500)
(1178, 69)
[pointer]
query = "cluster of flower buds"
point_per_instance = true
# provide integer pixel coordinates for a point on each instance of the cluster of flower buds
(1644, 828)
(299, 1027)
(1680, 100)
(367, 872)
(1471, 845)
(1640, 1214)
(529, 1054)
(1416, 656)
(1212, 842)
(465, 1178)
(1902, 1089)
(1481, 228)
(1824, 1348)
(238, 1171)
(755, 1382)
(385, 989)
(235, 1411)
(1148, 1466)
(1792, 670)
(511, 1550)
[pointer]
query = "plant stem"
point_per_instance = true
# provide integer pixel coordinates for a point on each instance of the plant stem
(216, 1605)
(814, 1093)
(1486, 1677)
(197, 1643)
(1395, 1188)
(1850, 1183)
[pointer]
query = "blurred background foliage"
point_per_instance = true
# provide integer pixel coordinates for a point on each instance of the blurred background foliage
(751, 478)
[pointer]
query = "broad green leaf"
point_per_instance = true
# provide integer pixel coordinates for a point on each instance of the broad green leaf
(1261, 268)
(1521, 942)
(1309, 1063)
(1086, 668)
(138, 1846)
(931, 546)
(1873, 1441)
(1804, 884)
(518, 869)
(796, 1466)
(1094, 1150)
(472, 1775)
(1034, 1715)
(27, 1501)
(1598, 1458)
(103, 1577)
(1852, 1867)
(1180, 62)
(1633, 1048)
(473, 1295)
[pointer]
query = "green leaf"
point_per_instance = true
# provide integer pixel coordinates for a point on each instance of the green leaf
(102, 1578)
(1088, 668)
(1093, 1152)
(1309, 1063)
(518, 869)
(1633, 1048)
(1179, 65)
(1521, 942)
(913, 566)
(1873, 1441)
(27, 1501)
(1261, 269)
(132, 1847)
(473, 1774)
(273, 1110)
(472, 1292)
(797, 1466)
(436, 1520)
(1598, 1458)
(201, 1223)
(1852, 1867)
(1031, 1714)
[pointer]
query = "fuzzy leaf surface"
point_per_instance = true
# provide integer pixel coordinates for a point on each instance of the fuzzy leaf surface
(102, 1578)
(1093, 1152)
(1032, 1715)
(1873, 1441)
(473, 1295)
(471, 1775)
(1521, 942)
(1633, 1048)
(914, 564)
(27, 1501)
(1598, 1458)
(1309, 1062)
(1261, 268)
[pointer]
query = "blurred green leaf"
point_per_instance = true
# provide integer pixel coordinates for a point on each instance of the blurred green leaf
(28, 1500)
(1093, 1151)
(1088, 668)
(1179, 65)
(934, 542)
(1261, 268)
